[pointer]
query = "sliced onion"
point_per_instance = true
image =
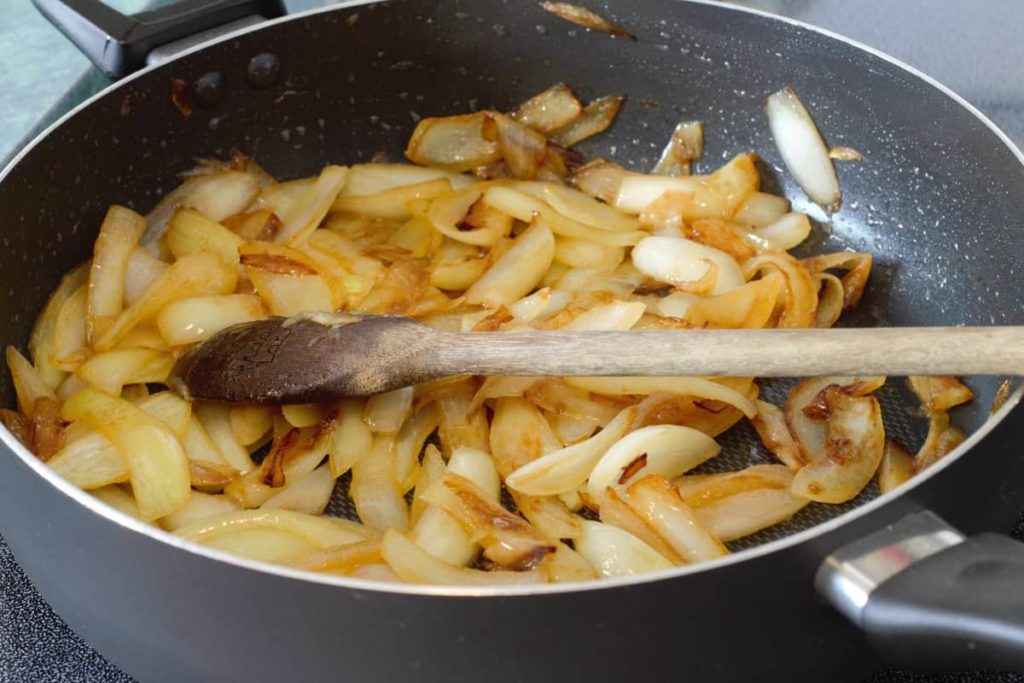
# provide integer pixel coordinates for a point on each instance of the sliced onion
(560, 398)
(657, 501)
(830, 300)
(571, 430)
(940, 393)
(308, 495)
(544, 112)
(531, 306)
(301, 219)
(761, 209)
(582, 16)
(415, 565)
(566, 469)
(548, 514)
(717, 233)
(436, 531)
(801, 296)
(707, 416)
(857, 265)
(507, 538)
(478, 467)
(345, 560)
(841, 153)
(523, 150)
(448, 213)
(215, 195)
(392, 203)
(369, 179)
(518, 271)
(441, 536)
(852, 450)
(272, 535)
(454, 143)
(616, 512)
(810, 434)
(684, 386)
(667, 450)
(749, 306)
(280, 198)
(616, 315)
(637, 191)
(386, 413)
(375, 571)
(943, 437)
(615, 552)
(596, 118)
(684, 147)
(142, 270)
(525, 207)
(580, 207)
(576, 253)
(500, 387)
(735, 182)
(409, 444)
(601, 179)
(803, 151)
(675, 305)
(737, 504)
(200, 506)
(896, 468)
(678, 261)
(787, 232)
(770, 424)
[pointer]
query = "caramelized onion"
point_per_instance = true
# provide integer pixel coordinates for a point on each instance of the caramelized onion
(585, 18)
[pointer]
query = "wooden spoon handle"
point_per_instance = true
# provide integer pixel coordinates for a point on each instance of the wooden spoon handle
(740, 353)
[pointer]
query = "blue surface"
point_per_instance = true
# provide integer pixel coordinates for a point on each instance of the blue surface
(973, 47)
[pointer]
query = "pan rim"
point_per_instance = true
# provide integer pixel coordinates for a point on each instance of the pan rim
(97, 507)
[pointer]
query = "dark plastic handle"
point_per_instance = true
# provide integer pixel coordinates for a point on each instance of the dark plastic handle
(961, 608)
(118, 44)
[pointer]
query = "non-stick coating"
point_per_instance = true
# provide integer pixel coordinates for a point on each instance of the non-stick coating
(934, 200)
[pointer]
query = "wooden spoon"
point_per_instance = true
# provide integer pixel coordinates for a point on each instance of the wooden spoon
(323, 357)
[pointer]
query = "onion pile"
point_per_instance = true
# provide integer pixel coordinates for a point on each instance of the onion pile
(497, 225)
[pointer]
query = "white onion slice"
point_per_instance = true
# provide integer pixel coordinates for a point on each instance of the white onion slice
(478, 467)
(675, 305)
(637, 191)
(759, 210)
(806, 155)
(567, 468)
(658, 503)
(615, 315)
(368, 179)
(615, 552)
(677, 260)
(668, 450)
(786, 232)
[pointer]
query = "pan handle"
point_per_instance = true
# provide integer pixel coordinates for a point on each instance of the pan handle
(119, 44)
(927, 597)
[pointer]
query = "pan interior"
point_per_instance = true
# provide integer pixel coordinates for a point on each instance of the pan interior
(931, 199)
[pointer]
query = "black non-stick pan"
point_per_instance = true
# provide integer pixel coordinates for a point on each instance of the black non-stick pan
(938, 200)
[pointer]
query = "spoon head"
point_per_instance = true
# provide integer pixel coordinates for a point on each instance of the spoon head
(305, 359)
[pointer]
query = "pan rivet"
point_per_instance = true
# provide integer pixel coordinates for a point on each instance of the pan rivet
(263, 70)
(210, 88)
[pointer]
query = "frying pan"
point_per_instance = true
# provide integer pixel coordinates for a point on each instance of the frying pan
(912, 574)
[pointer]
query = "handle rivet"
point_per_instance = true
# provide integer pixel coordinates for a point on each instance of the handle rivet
(263, 70)
(210, 88)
